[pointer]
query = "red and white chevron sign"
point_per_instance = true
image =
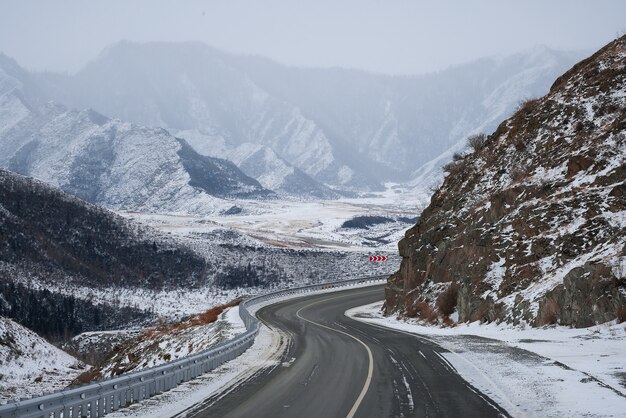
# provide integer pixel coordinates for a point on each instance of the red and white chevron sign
(378, 258)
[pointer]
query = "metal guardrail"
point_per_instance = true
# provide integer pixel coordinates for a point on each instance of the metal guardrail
(102, 397)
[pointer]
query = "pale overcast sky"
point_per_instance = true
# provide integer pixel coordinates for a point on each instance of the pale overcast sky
(392, 36)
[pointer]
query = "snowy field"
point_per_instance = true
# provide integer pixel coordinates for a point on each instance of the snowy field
(305, 224)
(545, 372)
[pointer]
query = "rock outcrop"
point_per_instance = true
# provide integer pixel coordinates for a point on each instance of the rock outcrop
(531, 224)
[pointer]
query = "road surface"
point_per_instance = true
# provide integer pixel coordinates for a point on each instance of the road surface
(338, 367)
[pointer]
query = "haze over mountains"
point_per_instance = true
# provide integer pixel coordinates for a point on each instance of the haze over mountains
(106, 161)
(345, 128)
(312, 133)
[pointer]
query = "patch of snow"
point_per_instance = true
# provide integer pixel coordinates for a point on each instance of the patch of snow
(494, 277)
(543, 175)
(29, 365)
(12, 111)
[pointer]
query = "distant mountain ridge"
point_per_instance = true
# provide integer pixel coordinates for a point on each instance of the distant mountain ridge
(262, 163)
(348, 129)
(116, 164)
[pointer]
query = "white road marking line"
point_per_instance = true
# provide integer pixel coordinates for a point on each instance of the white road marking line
(511, 408)
(409, 394)
(446, 362)
(370, 370)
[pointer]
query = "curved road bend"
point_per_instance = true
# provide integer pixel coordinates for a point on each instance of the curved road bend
(338, 367)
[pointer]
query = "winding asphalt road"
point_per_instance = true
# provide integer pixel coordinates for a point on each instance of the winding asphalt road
(338, 367)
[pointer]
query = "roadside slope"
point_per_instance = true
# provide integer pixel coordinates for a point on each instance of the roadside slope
(531, 226)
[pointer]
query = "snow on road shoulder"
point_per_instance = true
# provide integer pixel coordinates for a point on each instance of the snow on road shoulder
(553, 371)
(235, 324)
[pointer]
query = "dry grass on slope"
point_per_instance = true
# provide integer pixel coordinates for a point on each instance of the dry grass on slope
(163, 343)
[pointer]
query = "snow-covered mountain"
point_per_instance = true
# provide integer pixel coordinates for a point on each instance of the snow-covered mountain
(105, 161)
(534, 71)
(273, 172)
(29, 365)
(531, 225)
(345, 128)
(263, 164)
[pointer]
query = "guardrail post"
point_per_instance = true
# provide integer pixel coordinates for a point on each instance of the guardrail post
(112, 403)
(93, 407)
(102, 401)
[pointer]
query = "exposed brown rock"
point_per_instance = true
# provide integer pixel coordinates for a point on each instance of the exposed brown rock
(587, 296)
(578, 163)
(530, 226)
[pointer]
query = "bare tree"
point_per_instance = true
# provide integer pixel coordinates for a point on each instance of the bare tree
(477, 142)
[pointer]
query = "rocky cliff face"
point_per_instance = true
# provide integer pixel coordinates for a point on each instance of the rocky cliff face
(531, 225)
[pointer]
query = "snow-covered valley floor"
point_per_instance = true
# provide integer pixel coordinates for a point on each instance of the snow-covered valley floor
(545, 372)
(314, 224)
